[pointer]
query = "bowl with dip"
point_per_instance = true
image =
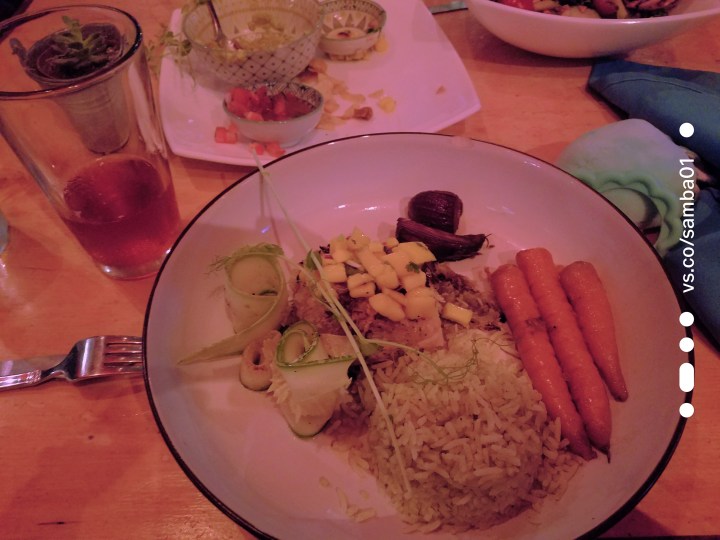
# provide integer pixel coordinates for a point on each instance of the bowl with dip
(351, 28)
(270, 40)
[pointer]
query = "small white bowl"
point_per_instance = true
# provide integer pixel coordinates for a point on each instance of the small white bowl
(351, 28)
(573, 37)
(284, 132)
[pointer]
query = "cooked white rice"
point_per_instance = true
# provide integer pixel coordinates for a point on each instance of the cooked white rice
(475, 440)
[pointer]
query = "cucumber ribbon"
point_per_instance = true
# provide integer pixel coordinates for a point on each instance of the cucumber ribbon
(256, 298)
(312, 376)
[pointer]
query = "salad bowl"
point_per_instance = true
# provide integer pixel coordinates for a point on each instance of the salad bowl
(577, 37)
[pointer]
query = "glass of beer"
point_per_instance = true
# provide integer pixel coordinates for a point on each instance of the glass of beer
(78, 108)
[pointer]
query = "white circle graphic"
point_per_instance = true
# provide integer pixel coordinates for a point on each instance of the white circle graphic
(687, 130)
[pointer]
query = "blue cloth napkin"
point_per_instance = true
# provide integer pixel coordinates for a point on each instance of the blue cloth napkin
(694, 263)
(667, 98)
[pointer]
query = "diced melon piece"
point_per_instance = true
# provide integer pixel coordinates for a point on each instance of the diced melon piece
(387, 307)
(339, 242)
(372, 264)
(420, 307)
(391, 242)
(413, 280)
(417, 251)
(364, 290)
(460, 315)
(376, 247)
(376, 270)
(421, 291)
(355, 280)
(395, 295)
(387, 278)
(357, 239)
(341, 255)
(335, 273)
(399, 260)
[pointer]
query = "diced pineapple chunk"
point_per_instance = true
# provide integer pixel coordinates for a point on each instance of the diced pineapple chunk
(421, 291)
(387, 307)
(395, 295)
(417, 251)
(339, 242)
(335, 273)
(391, 242)
(387, 278)
(420, 307)
(369, 260)
(364, 290)
(357, 239)
(460, 315)
(355, 280)
(399, 260)
(413, 280)
(371, 263)
(341, 255)
(376, 247)
(339, 250)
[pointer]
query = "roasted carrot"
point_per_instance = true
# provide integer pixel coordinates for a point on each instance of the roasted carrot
(537, 355)
(586, 385)
(589, 299)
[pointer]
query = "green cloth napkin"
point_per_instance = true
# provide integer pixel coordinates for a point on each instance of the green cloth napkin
(635, 166)
(667, 98)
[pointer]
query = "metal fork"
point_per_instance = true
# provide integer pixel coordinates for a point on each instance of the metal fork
(98, 356)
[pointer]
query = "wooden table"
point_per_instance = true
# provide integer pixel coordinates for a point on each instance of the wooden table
(88, 461)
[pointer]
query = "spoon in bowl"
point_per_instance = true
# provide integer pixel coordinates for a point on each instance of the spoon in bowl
(220, 38)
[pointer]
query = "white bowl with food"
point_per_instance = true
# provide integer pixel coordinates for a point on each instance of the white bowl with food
(224, 284)
(271, 41)
(582, 32)
(281, 113)
(351, 28)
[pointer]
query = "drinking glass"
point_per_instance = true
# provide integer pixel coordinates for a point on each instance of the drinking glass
(77, 107)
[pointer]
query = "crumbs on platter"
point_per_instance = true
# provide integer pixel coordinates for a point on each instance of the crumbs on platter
(336, 91)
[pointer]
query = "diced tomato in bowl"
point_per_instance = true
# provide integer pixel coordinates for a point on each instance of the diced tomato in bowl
(281, 113)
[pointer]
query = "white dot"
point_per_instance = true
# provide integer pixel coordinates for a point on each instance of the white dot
(687, 130)
(687, 319)
(686, 410)
(686, 344)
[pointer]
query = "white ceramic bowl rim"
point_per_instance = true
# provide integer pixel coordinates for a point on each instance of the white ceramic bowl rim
(582, 21)
(607, 523)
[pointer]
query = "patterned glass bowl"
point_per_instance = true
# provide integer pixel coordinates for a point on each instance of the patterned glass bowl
(276, 39)
(350, 28)
(283, 132)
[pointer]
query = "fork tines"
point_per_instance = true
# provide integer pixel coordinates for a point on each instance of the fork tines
(122, 351)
